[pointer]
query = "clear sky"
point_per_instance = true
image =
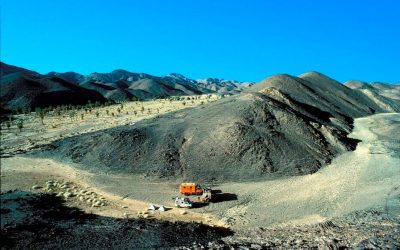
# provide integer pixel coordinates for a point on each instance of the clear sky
(246, 40)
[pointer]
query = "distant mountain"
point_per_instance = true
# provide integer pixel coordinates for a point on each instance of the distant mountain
(117, 75)
(223, 86)
(6, 69)
(118, 85)
(387, 90)
(72, 77)
(21, 91)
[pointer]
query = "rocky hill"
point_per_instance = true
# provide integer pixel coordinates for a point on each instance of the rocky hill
(27, 91)
(284, 125)
(391, 91)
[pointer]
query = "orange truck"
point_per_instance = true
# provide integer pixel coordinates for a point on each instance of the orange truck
(203, 193)
(190, 189)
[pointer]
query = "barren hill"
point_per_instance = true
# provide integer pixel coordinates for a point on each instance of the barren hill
(329, 95)
(24, 92)
(284, 125)
(6, 69)
(391, 91)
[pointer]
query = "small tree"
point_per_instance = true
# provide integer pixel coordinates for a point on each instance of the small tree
(58, 111)
(19, 110)
(20, 125)
(107, 111)
(184, 103)
(72, 115)
(135, 112)
(82, 115)
(119, 110)
(112, 114)
(142, 109)
(97, 114)
(8, 125)
(42, 115)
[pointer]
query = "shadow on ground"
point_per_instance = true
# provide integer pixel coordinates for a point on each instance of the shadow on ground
(221, 197)
(43, 221)
(217, 197)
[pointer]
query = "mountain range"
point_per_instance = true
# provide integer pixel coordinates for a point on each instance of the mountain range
(25, 89)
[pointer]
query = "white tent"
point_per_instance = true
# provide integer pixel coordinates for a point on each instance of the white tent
(151, 207)
(162, 208)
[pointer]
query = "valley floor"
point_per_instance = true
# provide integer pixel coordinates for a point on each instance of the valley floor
(348, 203)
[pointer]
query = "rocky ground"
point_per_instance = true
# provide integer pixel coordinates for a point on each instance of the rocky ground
(366, 229)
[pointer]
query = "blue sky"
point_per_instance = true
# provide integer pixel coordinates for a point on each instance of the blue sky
(242, 40)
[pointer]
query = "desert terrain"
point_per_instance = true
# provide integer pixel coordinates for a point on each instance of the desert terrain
(293, 162)
(190, 125)
(357, 191)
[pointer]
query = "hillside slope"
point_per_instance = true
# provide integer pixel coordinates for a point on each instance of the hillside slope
(315, 89)
(282, 126)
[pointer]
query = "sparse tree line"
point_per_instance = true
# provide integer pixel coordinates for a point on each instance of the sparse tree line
(74, 112)
(89, 106)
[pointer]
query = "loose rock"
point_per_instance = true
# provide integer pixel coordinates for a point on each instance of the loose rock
(68, 194)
